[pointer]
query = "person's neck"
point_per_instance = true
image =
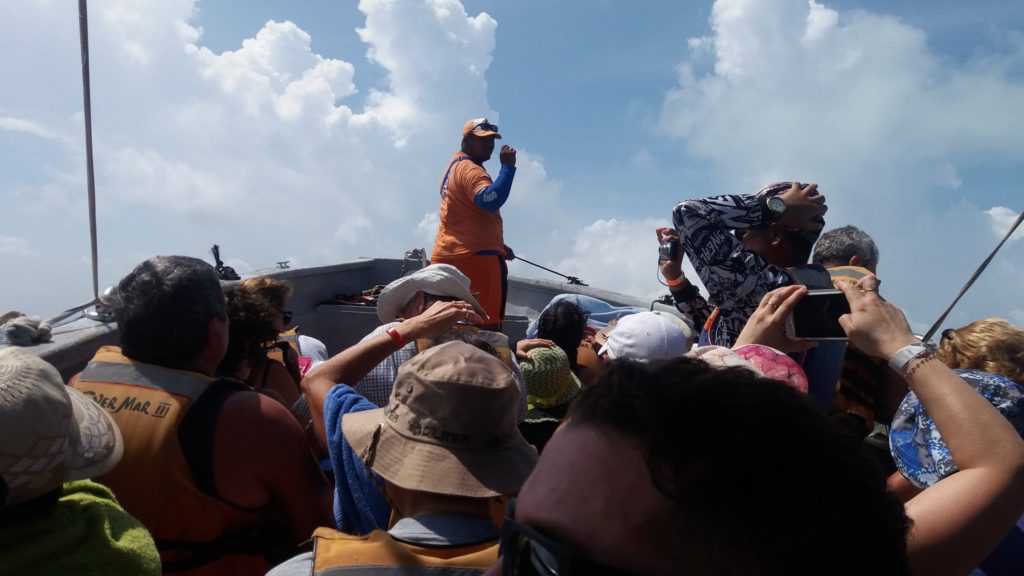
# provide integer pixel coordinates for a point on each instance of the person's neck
(412, 504)
(469, 508)
(473, 158)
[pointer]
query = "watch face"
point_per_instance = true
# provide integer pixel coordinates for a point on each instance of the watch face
(776, 204)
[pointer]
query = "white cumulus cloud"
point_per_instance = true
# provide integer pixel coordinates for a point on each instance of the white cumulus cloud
(856, 101)
(1002, 219)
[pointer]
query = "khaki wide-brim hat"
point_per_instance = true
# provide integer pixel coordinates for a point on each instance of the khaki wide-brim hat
(449, 428)
(51, 433)
(436, 279)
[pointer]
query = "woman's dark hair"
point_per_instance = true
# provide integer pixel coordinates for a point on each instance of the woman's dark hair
(251, 328)
(563, 323)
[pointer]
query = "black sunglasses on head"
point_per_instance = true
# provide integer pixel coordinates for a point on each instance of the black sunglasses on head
(525, 551)
(431, 298)
(486, 127)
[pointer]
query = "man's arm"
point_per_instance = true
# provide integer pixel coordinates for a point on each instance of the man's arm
(686, 296)
(704, 227)
(355, 362)
(493, 197)
(261, 458)
(722, 263)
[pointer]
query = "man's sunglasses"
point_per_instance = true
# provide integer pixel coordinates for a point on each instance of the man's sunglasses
(525, 551)
(429, 299)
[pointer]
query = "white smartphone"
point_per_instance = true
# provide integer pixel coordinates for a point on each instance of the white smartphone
(816, 316)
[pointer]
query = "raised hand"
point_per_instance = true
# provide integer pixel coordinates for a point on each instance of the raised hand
(507, 155)
(873, 325)
(767, 325)
(804, 207)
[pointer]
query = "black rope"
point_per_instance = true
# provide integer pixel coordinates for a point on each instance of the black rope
(931, 331)
(572, 279)
(83, 33)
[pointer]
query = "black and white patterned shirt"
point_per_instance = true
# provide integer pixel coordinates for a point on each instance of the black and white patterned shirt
(737, 279)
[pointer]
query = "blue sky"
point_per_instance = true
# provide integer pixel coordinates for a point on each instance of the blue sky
(317, 131)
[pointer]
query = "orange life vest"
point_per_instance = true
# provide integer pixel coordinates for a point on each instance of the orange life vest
(195, 531)
(336, 553)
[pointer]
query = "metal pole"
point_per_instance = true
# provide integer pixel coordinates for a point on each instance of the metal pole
(931, 331)
(83, 33)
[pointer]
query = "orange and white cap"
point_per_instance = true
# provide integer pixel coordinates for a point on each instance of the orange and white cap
(480, 127)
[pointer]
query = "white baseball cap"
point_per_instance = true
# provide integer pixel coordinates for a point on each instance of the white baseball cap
(645, 336)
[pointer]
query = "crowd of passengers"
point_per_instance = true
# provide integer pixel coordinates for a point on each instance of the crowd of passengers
(611, 440)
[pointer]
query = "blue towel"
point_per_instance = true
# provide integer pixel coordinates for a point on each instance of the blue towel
(600, 313)
(359, 507)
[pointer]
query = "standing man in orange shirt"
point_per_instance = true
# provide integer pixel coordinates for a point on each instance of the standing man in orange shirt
(470, 235)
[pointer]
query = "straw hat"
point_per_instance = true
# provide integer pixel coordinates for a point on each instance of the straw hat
(549, 379)
(436, 279)
(449, 427)
(51, 433)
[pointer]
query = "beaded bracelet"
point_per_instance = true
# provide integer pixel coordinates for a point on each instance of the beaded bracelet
(918, 362)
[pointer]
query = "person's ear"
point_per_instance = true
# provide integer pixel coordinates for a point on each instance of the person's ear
(777, 235)
(855, 260)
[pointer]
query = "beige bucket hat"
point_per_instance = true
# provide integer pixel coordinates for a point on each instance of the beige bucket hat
(449, 427)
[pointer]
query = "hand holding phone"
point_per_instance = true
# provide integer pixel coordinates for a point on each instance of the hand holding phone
(816, 316)
(766, 326)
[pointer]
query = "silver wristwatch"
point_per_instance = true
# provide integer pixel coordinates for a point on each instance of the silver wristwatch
(776, 206)
(901, 360)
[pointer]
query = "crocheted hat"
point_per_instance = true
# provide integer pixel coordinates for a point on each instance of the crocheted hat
(549, 379)
(51, 433)
(775, 365)
(722, 357)
(916, 444)
(762, 360)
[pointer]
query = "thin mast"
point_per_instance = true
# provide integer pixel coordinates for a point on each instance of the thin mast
(83, 34)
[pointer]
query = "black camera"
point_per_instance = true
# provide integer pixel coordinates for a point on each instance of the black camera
(668, 251)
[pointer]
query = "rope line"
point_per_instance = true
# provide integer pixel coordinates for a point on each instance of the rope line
(931, 331)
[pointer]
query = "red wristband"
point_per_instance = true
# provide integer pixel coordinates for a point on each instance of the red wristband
(393, 332)
(676, 282)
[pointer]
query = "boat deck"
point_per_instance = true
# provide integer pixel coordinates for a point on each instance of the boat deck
(336, 325)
